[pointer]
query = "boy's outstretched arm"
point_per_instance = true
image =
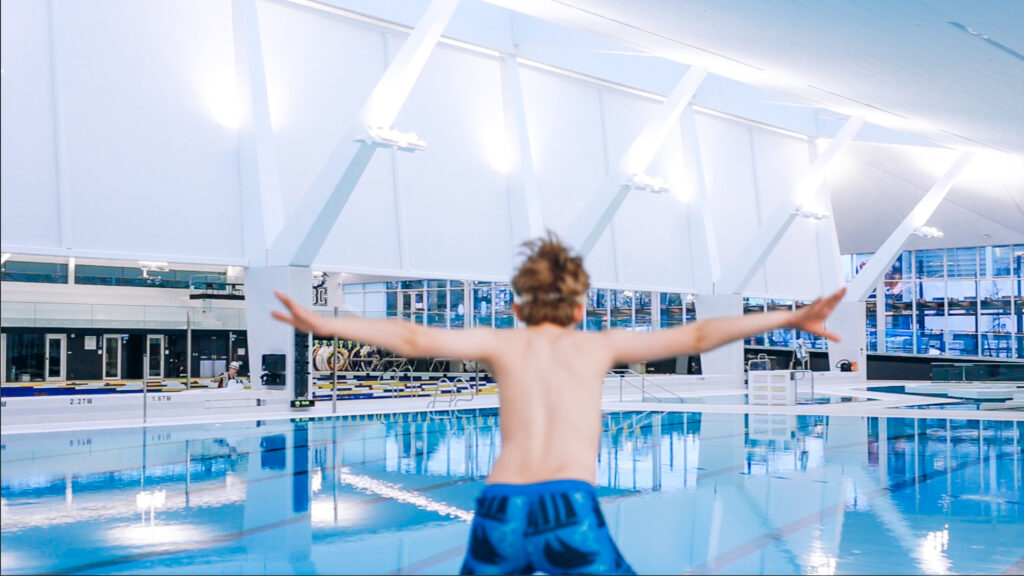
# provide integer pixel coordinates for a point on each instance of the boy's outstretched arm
(705, 335)
(399, 336)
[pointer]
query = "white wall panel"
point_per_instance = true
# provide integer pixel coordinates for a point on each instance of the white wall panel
(651, 237)
(729, 173)
(320, 71)
(28, 172)
(454, 194)
(781, 163)
(147, 97)
(564, 119)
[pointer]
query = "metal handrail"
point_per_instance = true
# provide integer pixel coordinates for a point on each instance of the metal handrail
(623, 372)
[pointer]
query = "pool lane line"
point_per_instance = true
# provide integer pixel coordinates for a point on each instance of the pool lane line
(779, 534)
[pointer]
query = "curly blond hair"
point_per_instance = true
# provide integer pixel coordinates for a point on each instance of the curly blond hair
(550, 282)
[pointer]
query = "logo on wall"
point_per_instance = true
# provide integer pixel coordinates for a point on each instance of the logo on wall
(320, 291)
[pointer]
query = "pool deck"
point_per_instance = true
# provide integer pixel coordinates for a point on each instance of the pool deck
(844, 398)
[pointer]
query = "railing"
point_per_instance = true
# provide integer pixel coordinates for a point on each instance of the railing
(623, 373)
(77, 315)
(977, 372)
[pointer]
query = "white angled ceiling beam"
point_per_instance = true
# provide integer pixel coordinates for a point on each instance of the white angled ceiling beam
(872, 272)
(312, 219)
(703, 244)
(524, 205)
(598, 213)
(258, 175)
(736, 278)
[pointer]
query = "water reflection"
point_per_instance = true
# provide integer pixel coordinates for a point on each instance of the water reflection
(394, 493)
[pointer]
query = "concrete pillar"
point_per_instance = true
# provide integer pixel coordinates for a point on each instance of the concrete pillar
(265, 334)
(727, 359)
(847, 320)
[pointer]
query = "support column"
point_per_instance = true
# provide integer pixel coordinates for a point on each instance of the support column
(727, 359)
(848, 320)
(267, 335)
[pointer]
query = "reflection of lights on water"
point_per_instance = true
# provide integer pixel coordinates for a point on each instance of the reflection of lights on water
(316, 480)
(147, 499)
(394, 492)
(817, 560)
(930, 552)
(159, 534)
(322, 513)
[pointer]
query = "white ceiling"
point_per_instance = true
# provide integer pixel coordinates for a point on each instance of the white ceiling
(948, 71)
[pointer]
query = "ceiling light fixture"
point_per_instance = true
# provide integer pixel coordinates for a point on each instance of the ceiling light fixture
(648, 184)
(928, 232)
(391, 138)
(810, 214)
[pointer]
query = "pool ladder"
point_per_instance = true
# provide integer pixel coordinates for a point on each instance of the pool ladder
(626, 376)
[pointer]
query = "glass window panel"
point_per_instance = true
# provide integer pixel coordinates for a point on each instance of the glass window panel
(691, 308)
(870, 324)
(642, 306)
(411, 284)
(437, 307)
(755, 306)
(621, 308)
(998, 262)
(458, 306)
(962, 296)
(597, 309)
(44, 272)
(392, 302)
(55, 357)
(1018, 262)
(155, 349)
(504, 316)
(962, 263)
(353, 302)
(930, 263)
(671, 309)
(996, 344)
(483, 312)
(112, 356)
(25, 357)
(859, 262)
(375, 304)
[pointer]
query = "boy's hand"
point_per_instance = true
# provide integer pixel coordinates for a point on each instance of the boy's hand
(812, 318)
(302, 319)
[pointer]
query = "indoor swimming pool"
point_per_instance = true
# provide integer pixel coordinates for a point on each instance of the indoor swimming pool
(394, 493)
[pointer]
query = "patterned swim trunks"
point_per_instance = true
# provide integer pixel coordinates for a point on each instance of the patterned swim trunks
(555, 527)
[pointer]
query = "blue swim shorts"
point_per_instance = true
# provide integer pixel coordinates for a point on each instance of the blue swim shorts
(555, 527)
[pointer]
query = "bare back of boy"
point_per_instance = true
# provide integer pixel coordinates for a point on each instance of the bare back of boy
(550, 382)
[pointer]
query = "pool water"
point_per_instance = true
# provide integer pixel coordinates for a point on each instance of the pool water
(682, 492)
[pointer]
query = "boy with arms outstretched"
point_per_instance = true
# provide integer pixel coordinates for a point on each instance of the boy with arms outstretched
(539, 510)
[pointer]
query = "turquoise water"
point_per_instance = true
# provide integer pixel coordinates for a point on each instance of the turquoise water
(682, 492)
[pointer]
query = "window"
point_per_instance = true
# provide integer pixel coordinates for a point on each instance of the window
(46, 272)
